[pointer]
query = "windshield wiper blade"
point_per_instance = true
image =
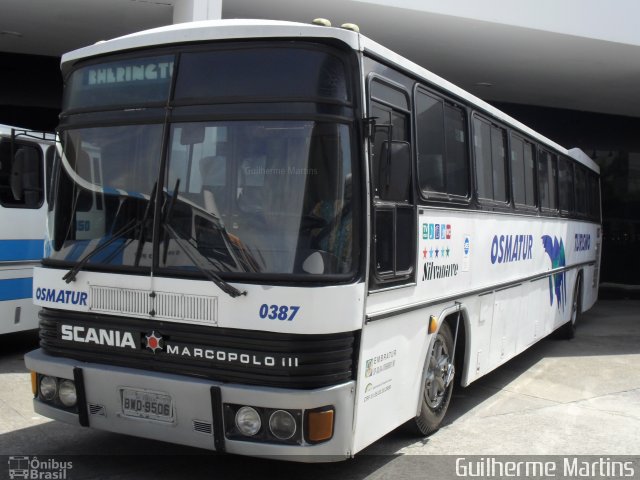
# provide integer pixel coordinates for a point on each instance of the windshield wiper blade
(70, 276)
(145, 217)
(222, 284)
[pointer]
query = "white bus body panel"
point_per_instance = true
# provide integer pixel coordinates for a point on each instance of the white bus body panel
(513, 304)
(329, 309)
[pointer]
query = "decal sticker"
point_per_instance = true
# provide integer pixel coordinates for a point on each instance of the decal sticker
(511, 248)
(557, 283)
(69, 297)
(583, 242)
(278, 312)
(466, 251)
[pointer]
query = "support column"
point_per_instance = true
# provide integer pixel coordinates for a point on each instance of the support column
(194, 10)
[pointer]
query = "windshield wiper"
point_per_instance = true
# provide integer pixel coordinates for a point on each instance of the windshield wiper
(222, 284)
(131, 225)
(70, 276)
(145, 217)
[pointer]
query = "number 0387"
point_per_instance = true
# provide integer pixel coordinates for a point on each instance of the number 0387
(279, 312)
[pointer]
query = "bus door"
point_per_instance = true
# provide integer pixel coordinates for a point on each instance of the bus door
(393, 243)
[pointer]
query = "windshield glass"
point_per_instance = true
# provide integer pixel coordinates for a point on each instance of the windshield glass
(270, 197)
(256, 197)
(104, 186)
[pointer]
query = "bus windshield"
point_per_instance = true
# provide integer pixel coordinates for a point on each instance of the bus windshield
(237, 197)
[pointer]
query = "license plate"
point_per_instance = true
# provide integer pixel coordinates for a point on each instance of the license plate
(146, 404)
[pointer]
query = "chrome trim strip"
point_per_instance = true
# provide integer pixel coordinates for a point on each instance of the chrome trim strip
(479, 291)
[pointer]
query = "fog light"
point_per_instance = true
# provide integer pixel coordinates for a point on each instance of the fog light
(67, 393)
(282, 425)
(48, 387)
(248, 421)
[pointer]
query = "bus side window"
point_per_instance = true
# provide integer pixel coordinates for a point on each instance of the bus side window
(443, 163)
(522, 171)
(565, 181)
(21, 182)
(489, 146)
(547, 180)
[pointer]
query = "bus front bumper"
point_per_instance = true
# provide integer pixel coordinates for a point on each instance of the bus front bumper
(194, 411)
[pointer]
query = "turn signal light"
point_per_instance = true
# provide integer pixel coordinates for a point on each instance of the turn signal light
(433, 324)
(320, 425)
(34, 383)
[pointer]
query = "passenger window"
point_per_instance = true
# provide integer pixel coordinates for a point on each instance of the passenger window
(443, 165)
(522, 171)
(547, 180)
(565, 180)
(582, 203)
(21, 176)
(489, 145)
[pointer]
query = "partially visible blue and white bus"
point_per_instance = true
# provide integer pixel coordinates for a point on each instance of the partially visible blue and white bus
(24, 156)
(302, 241)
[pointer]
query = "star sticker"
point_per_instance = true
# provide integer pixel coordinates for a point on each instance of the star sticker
(424, 252)
(431, 253)
(437, 252)
(448, 251)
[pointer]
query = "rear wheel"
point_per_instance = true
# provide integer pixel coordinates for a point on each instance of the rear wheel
(568, 330)
(438, 384)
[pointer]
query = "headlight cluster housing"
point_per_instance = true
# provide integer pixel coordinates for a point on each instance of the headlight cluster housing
(60, 392)
(273, 425)
(278, 425)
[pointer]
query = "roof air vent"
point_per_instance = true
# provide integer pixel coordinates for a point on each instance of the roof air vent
(323, 22)
(351, 26)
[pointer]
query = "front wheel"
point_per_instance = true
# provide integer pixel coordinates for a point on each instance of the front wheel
(438, 384)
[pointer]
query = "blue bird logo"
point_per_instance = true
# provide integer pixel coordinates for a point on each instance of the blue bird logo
(557, 283)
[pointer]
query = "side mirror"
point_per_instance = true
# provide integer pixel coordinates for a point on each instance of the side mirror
(25, 176)
(17, 175)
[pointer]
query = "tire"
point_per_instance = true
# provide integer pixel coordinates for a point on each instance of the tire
(438, 384)
(568, 330)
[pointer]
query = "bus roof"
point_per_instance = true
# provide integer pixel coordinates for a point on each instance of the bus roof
(208, 30)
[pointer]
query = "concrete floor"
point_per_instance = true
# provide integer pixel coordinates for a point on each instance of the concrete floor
(578, 397)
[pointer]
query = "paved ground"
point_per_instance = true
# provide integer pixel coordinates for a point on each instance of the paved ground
(578, 397)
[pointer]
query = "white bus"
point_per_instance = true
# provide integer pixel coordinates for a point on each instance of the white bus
(24, 156)
(307, 241)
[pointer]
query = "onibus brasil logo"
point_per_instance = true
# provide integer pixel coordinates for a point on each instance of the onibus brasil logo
(34, 468)
(557, 283)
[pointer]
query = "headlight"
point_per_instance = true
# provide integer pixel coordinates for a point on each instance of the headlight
(248, 421)
(48, 387)
(67, 393)
(282, 425)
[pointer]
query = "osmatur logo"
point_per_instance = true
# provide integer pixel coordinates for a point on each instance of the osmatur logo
(557, 284)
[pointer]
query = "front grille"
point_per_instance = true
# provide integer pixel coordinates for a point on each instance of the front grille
(164, 305)
(222, 354)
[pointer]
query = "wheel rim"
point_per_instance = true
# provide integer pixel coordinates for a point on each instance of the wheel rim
(435, 385)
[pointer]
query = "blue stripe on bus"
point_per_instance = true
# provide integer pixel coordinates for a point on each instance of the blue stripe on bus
(17, 250)
(16, 288)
